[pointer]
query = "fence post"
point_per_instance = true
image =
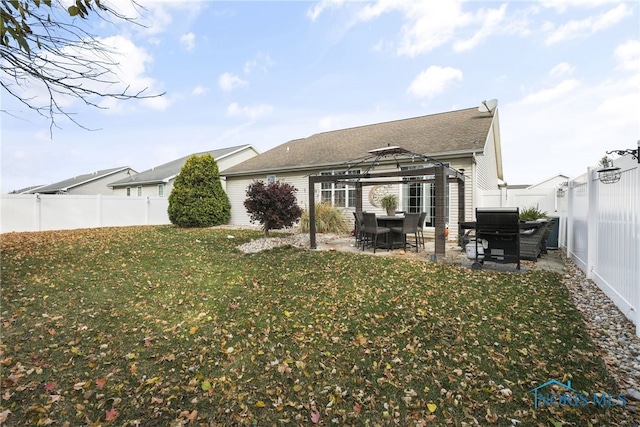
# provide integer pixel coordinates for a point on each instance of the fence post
(569, 223)
(38, 213)
(99, 207)
(592, 222)
(637, 220)
(146, 202)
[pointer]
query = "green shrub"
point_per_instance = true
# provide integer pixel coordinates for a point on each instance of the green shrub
(532, 214)
(197, 198)
(328, 220)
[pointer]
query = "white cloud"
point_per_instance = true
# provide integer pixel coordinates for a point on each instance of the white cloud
(188, 41)
(131, 71)
(253, 112)
(199, 90)
(491, 22)
(156, 16)
(318, 8)
(261, 61)
(582, 28)
(229, 82)
(563, 5)
(628, 56)
(430, 25)
(562, 69)
(120, 66)
(545, 97)
(433, 80)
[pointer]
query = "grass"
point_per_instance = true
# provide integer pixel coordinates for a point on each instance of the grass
(167, 326)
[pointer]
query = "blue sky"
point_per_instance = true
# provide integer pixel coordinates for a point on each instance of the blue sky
(566, 74)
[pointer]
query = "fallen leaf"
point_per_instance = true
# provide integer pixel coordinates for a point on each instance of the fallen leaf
(432, 407)
(111, 414)
(315, 417)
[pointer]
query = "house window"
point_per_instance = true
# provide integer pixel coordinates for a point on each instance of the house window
(270, 179)
(338, 194)
(128, 189)
(160, 190)
(421, 197)
(139, 188)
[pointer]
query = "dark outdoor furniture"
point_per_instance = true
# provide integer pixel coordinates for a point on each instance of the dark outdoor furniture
(500, 229)
(392, 240)
(533, 240)
(358, 227)
(372, 230)
(421, 220)
(533, 235)
(409, 226)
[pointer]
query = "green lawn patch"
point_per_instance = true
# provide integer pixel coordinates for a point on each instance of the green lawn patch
(167, 326)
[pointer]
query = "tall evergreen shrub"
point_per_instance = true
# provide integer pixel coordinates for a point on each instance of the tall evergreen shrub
(197, 198)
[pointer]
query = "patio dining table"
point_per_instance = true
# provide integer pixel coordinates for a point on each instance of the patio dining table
(393, 240)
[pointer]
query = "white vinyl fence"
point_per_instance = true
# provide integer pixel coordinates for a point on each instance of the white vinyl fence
(544, 199)
(41, 212)
(600, 231)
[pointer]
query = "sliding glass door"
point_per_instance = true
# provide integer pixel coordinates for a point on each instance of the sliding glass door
(421, 196)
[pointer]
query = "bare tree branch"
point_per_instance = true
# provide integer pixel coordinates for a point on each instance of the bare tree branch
(47, 56)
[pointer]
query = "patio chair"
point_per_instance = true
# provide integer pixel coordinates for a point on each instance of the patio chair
(409, 226)
(359, 228)
(421, 220)
(372, 230)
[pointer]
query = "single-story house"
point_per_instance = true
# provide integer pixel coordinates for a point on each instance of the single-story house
(158, 181)
(466, 140)
(88, 184)
(27, 190)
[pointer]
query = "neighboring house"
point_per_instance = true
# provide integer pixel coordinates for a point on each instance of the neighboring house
(27, 190)
(89, 184)
(464, 139)
(158, 181)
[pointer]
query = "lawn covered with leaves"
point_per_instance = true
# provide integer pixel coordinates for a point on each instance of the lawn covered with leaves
(167, 326)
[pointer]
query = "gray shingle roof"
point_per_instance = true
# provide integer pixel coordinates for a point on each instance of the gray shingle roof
(78, 180)
(166, 171)
(436, 135)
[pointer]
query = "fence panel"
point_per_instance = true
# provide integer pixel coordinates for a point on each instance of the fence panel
(578, 245)
(616, 255)
(31, 212)
(543, 199)
(19, 212)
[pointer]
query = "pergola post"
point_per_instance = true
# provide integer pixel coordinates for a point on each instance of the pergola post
(440, 220)
(461, 207)
(312, 213)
